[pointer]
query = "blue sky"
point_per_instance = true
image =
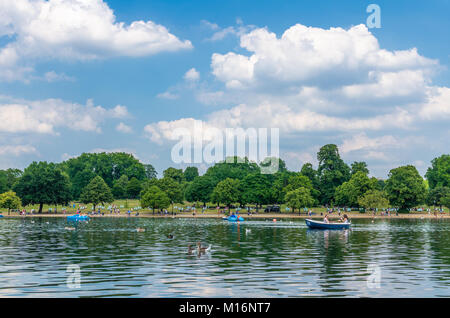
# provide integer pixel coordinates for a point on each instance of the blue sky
(75, 80)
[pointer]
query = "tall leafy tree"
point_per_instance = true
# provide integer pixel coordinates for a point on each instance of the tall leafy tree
(299, 198)
(438, 175)
(309, 171)
(190, 173)
(119, 188)
(348, 193)
(200, 189)
(359, 166)
(445, 201)
(435, 196)
(150, 171)
(96, 192)
(43, 183)
(109, 166)
(8, 178)
(374, 199)
(279, 182)
(381, 184)
(172, 188)
(255, 189)
(271, 165)
(227, 192)
(3, 182)
(332, 171)
(297, 181)
(173, 173)
(405, 187)
(154, 198)
(133, 188)
(9, 200)
(233, 168)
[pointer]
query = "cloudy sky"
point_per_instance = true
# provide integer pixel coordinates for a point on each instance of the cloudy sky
(91, 75)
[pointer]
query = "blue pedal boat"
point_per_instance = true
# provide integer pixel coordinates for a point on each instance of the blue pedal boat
(234, 218)
(77, 217)
(312, 224)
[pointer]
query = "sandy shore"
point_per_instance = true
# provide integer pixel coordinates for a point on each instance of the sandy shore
(245, 216)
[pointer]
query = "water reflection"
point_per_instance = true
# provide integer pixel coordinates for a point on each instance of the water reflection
(257, 258)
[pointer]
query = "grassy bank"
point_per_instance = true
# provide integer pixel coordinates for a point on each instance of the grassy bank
(210, 214)
(125, 205)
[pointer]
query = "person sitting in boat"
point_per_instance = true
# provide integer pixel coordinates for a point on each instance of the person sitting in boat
(325, 219)
(344, 219)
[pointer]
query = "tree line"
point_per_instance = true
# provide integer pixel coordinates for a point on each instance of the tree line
(99, 178)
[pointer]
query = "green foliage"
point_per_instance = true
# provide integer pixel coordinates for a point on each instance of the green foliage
(3, 182)
(172, 188)
(233, 168)
(190, 173)
(438, 175)
(445, 201)
(359, 166)
(175, 174)
(374, 199)
(380, 184)
(119, 188)
(332, 172)
(200, 189)
(109, 166)
(43, 183)
(133, 188)
(308, 171)
(299, 198)
(279, 182)
(348, 193)
(8, 178)
(436, 195)
(333, 182)
(255, 188)
(405, 187)
(148, 183)
(154, 198)
(227, 192)
(97, 191)
(150, 171)
(296, 181)
(9, 200)
(271, 165)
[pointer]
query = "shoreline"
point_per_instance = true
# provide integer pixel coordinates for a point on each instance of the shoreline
(245, 216)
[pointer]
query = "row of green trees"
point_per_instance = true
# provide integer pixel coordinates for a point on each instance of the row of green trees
(101, 178)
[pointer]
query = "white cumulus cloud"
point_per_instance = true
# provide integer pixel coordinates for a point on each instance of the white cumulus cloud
(74, 30)
(310, 55)
(45, 116)
(192, 75)
(123, 128)
(17, 150)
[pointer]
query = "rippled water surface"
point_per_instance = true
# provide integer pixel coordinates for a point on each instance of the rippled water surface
(258, 258)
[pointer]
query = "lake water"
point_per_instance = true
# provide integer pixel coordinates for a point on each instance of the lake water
(258, 258)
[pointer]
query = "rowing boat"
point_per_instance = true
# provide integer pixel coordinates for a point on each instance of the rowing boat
(312, 224)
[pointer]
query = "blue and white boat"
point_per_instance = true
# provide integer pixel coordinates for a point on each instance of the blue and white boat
(234, 218)
(312, 224)
(77, 217)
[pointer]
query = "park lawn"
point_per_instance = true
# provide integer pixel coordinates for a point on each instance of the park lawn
(126, 204)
